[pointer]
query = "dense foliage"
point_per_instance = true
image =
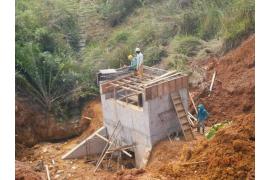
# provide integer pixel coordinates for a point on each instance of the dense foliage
(46, 53)
(59, 75)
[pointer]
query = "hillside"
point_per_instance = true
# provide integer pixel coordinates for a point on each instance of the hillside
(234, 144)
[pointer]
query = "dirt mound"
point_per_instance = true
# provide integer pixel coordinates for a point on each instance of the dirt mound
(32, 125)
(234, 88)
(51, 153)
(229, 155)
(26, 172)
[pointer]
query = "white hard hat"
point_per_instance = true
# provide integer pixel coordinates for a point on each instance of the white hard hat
(137, 49)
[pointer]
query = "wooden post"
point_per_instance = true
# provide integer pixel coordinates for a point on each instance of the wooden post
(193, 102)
(212, 82)
(47, 172)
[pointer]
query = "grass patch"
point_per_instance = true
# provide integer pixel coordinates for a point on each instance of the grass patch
(239, 22)
(187, 45)
(153, 55)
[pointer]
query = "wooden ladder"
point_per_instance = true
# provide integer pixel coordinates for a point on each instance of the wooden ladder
(182, 116)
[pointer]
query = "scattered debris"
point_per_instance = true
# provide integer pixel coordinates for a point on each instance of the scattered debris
(212, 82)
(47, 172)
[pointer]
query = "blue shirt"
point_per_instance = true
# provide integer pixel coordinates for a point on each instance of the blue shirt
(202, 113)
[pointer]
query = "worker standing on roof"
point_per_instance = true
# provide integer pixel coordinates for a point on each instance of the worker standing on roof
(133, 63)
(202, 116)
(139, 59)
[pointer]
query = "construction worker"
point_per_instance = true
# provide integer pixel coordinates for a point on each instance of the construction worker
(133, 63)
(139, 59)
(202, 116)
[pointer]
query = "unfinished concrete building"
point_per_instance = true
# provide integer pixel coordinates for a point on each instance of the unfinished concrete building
(137, 113)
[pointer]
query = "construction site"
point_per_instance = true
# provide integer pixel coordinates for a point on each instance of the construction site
(142, 128)
(131, 89)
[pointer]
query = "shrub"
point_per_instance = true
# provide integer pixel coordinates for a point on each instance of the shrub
(119, 56)
(115, 11)
(239, 22)
(187, 45)
(189, 22)
(145, 36)
(153, 55)
(178, 62)
(210, 24)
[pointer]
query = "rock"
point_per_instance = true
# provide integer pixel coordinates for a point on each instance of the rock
(39, 166)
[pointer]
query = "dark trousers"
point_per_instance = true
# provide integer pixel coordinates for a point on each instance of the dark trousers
(200, 125)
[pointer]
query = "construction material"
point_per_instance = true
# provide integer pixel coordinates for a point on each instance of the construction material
(47, 172)
(194, 106)
(142, 124)
(128, 154)
(212, 82)
(121, 148)
(182, 116)
(108, 145)
(166, 76)
(87, 118)
(192, 120)
(91, 145)
(166, 87)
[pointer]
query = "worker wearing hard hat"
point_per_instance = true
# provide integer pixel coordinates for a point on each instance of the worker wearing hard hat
(133, 63)
(139, 59)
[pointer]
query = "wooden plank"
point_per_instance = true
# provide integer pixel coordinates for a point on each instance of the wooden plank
(160, 89)
(148, 92)
(194, 106)
(172, 86)
(121, 148)
(212, 82)
(128, 85)
(166, 88)
(125, 96)
(132, 82)
(163, 77)
(47, 172)
(185, 82)
(154, 92)
(123, 87)
(178, 83)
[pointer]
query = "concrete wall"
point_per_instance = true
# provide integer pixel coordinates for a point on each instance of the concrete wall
(142, 125)
(135, 126)
(159, 128)
(90, 146)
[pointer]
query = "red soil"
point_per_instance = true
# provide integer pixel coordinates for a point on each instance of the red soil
(234, 88)
(229, 155)
(24, 171)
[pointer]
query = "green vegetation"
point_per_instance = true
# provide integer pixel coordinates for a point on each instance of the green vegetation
(52, 68)
(187, 45)
(46, 53)
(213, 130)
